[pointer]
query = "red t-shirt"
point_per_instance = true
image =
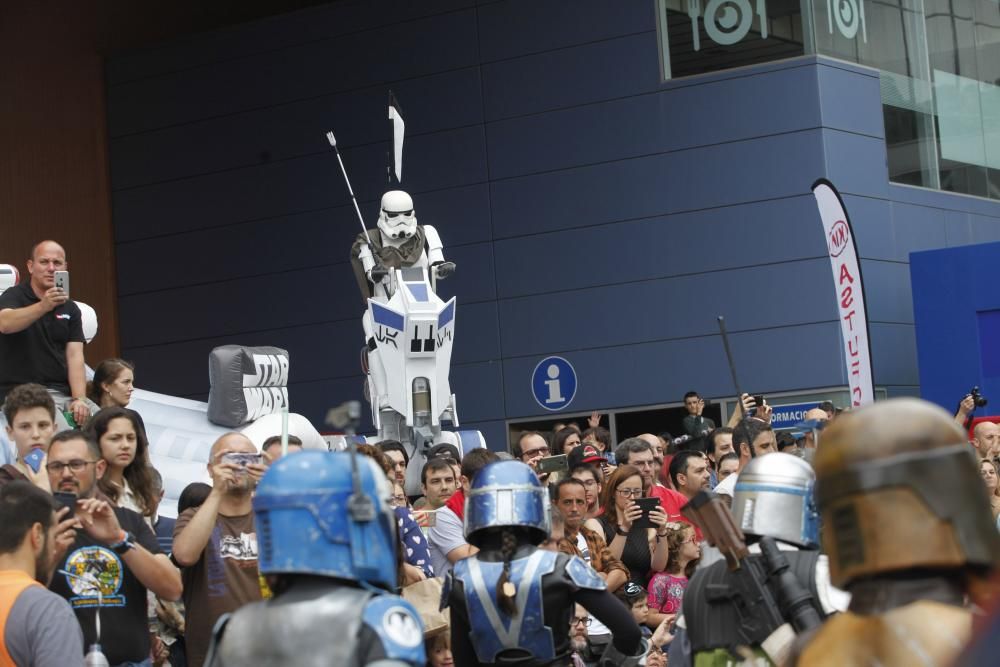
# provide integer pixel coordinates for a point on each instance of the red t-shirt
(672, 502)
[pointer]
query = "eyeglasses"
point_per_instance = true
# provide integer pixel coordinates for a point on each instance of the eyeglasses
(580, 620)
(76, 465)
(541, 451)
(629, 493)
(398, 501)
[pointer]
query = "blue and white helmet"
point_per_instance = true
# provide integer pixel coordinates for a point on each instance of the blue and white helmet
(775, 496)
(507, 494)
(304, 525)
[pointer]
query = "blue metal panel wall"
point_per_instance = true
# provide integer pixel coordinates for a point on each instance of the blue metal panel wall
(593, 211)
(956, 300)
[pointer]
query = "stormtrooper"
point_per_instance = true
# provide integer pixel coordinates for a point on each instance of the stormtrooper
(408, 339)
(511, 602)
(327, 542)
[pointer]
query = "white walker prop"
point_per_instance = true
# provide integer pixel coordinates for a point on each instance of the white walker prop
(409, 331)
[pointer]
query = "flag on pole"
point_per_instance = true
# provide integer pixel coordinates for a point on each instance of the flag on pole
(398, 130)
(853, 314)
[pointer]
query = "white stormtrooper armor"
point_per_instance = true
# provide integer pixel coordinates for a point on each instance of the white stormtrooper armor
(409, 343)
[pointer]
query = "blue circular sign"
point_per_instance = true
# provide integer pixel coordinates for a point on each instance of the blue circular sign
(553, 383)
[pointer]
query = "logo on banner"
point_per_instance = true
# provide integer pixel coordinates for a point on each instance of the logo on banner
(553, 383)
(726, 21)
(849, 15)
(840, 236)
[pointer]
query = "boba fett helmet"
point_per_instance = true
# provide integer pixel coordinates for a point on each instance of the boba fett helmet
(898, 489)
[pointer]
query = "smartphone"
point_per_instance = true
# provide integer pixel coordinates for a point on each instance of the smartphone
(62, 281)
(552, 464)
(66, 500)
(240, 459)
(758, 401)
(34, 458)
(425, 518)
(647, 505)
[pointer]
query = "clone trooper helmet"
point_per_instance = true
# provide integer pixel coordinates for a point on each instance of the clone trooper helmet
(899, 489)
(774, 497)
(396, 219)
(304, 525)
(507, 494)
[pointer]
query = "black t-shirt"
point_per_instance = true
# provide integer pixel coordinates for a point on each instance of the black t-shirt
(38, 353)
(124, 624)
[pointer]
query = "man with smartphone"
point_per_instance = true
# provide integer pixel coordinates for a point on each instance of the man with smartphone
(42, 335)
(216, 543)
(113, 560)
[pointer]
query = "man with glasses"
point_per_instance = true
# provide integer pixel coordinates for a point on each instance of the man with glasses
(532, 447)
(579, 623)
(114, 560)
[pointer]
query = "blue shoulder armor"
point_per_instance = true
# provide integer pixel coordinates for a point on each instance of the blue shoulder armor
(398, 627)
(583, 575)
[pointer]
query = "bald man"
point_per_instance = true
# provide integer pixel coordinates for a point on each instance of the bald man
(217, 543)
(986, 440)
(41, 335)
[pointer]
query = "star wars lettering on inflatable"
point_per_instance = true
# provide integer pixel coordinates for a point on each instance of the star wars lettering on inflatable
(246, 383)
(850, 291)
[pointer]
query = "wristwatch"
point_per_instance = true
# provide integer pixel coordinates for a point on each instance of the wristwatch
(123, 546)
(623, 533)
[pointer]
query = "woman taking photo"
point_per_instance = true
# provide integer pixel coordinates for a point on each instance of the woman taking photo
(642, 550)
(127, 482)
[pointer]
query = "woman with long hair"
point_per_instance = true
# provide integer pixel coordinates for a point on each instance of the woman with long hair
(988, 469)
(641, 550)
(128, 481)
(112, 383)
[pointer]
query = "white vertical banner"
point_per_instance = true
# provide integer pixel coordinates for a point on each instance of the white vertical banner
(850, 292)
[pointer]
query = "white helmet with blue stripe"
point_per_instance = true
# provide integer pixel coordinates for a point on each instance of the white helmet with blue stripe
(775, 496)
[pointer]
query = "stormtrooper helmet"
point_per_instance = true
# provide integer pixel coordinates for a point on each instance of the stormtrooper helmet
(396, 219)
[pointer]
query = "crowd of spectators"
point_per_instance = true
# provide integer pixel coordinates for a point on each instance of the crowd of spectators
(79, 500)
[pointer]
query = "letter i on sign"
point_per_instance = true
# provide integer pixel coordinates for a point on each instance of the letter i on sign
(553, 384)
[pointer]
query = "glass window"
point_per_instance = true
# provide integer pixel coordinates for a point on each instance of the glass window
(698, 36)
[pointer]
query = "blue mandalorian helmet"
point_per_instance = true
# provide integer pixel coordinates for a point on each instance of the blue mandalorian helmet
(507, 494)
(304, 525)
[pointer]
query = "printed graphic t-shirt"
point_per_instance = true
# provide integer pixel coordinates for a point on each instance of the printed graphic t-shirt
(124, 626)
(224, 579)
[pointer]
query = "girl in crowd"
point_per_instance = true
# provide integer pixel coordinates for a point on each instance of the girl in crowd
(127, 482)
(641, 550)
(439, 650)
(988, 469)
(112, 383)
(666, 589)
